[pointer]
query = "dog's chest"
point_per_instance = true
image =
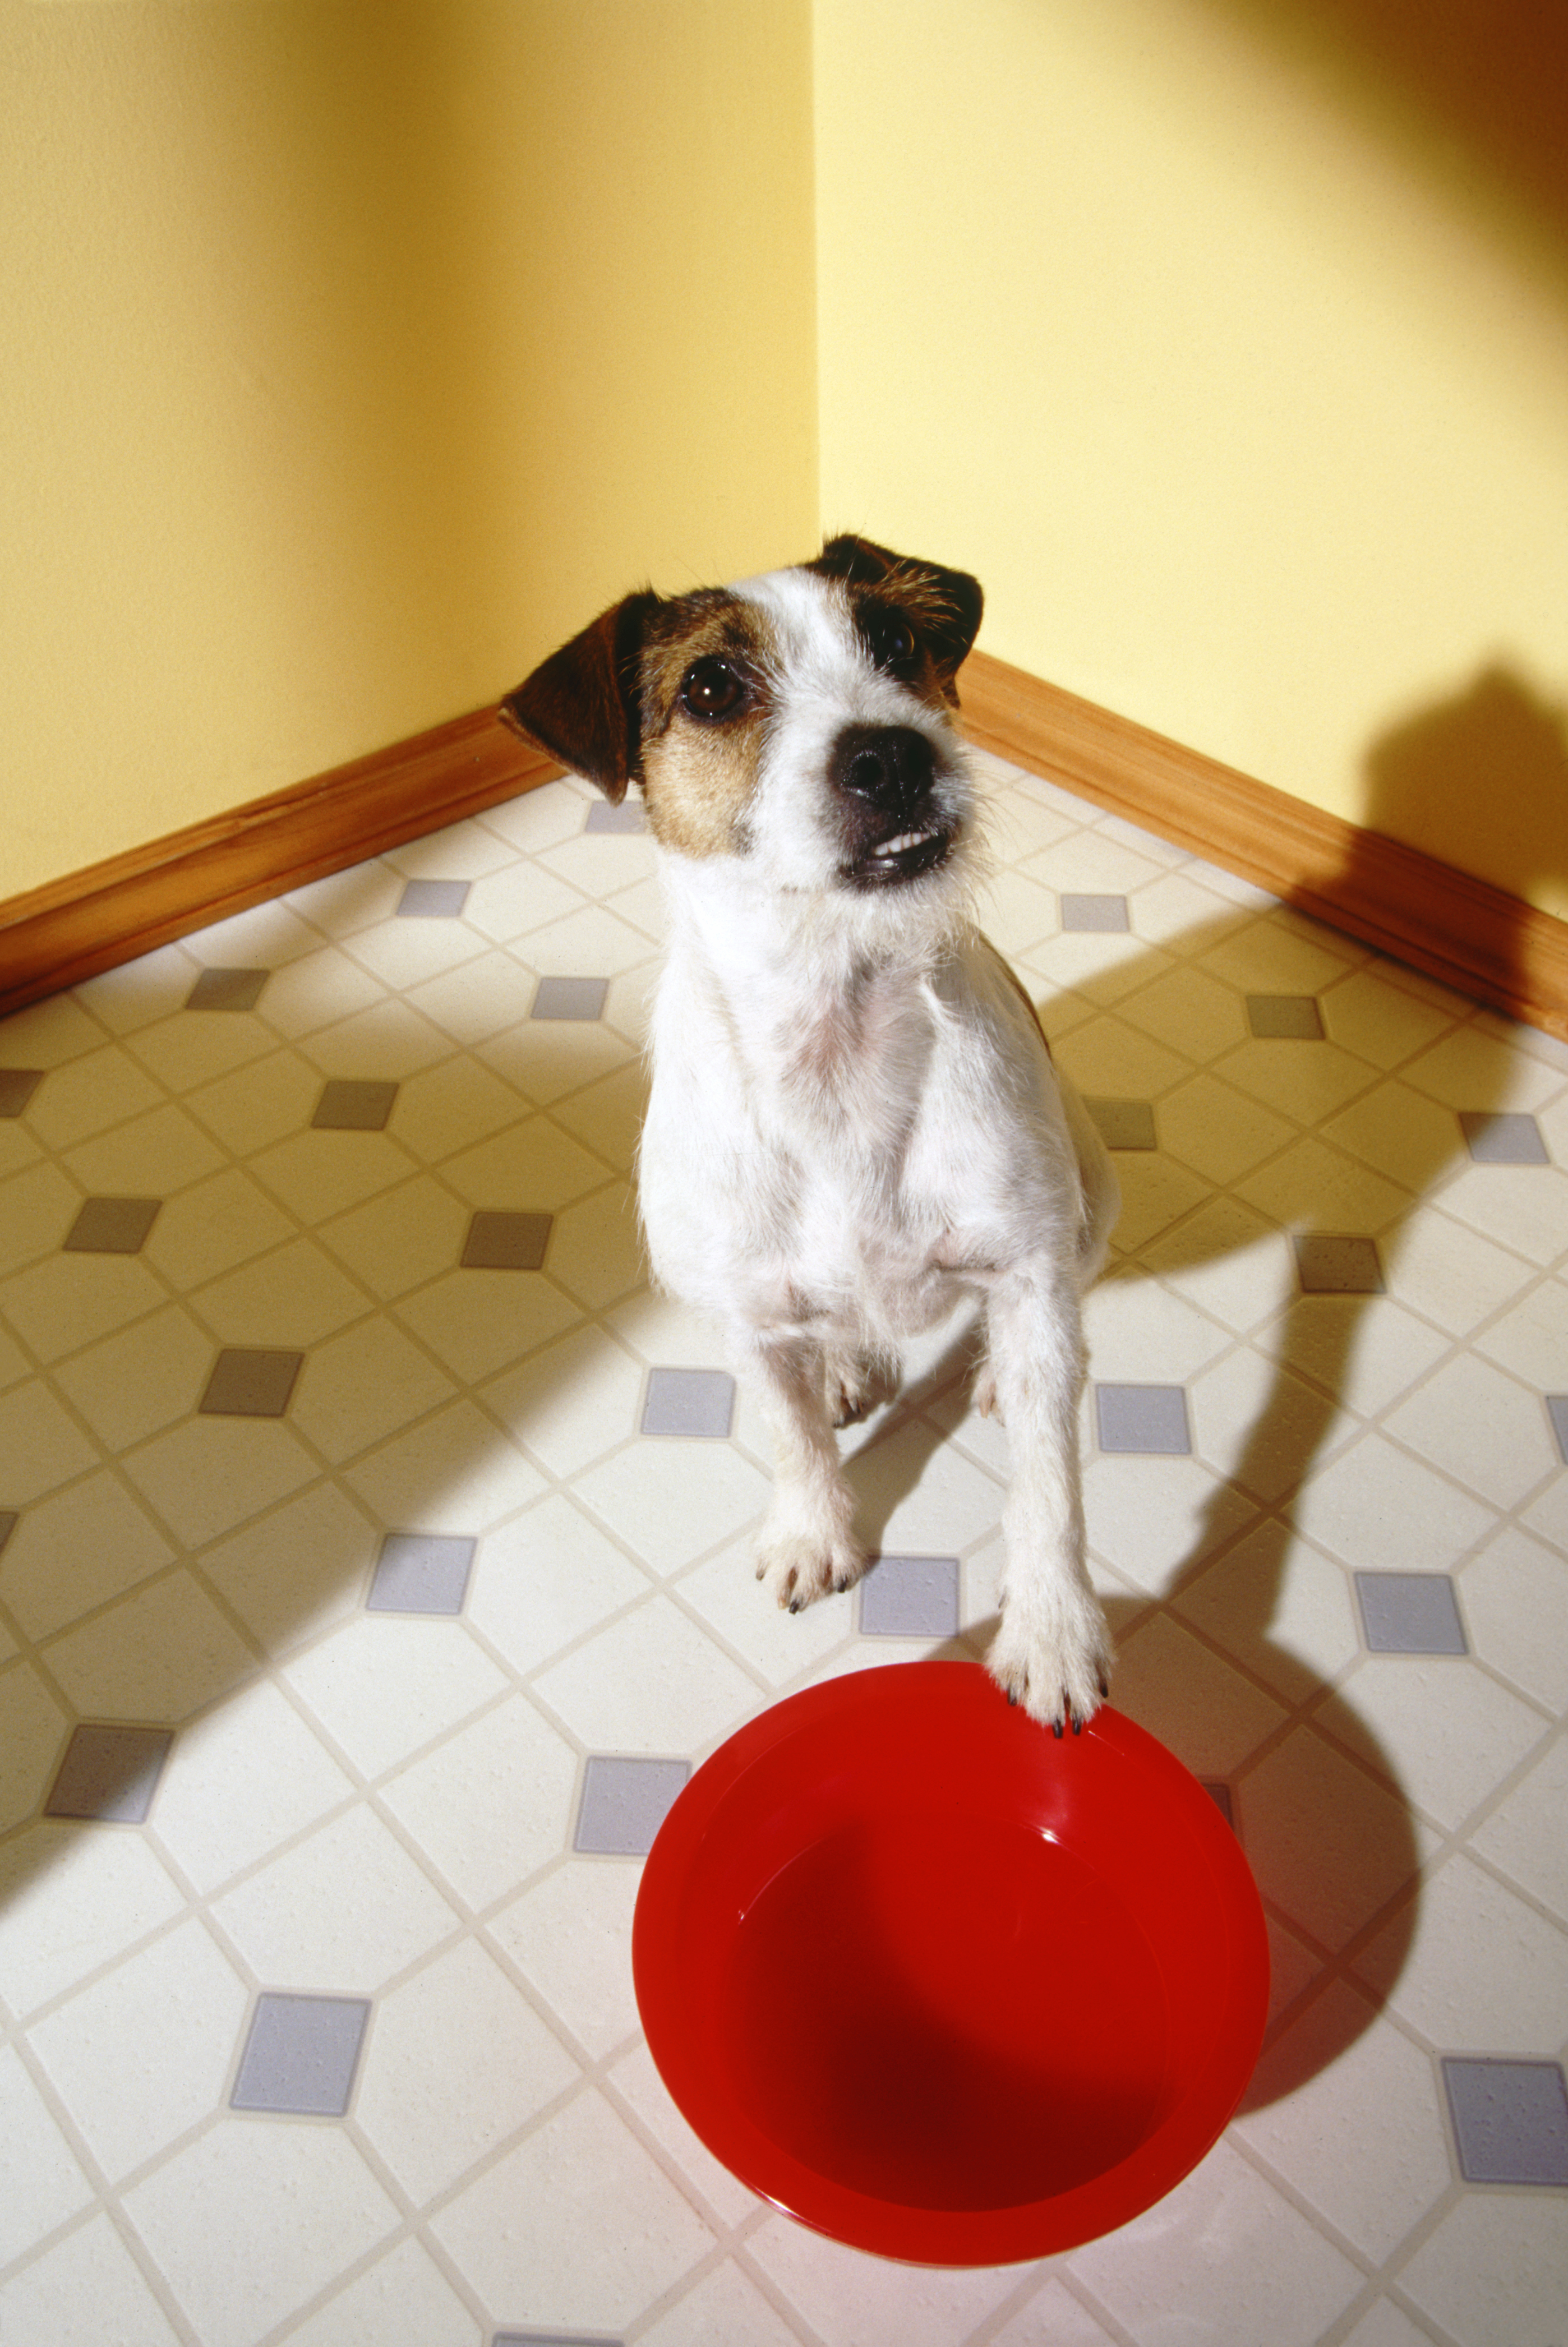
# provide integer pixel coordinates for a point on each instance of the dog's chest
(790, 1153)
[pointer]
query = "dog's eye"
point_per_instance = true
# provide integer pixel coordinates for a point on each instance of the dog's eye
(711, 689)
(890, 638)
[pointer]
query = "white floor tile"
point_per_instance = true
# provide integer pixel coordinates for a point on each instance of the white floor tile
(491, 1805)
(41, 2184)
(253, 2219)
(1237, 2259)
(570, 1936)
(1402, 1813)
(1348, 2113)
(852, 2299)
(346, 1909)
(457, 2063)
(144, 2054)
(1493, 2273)
(578, 2229)
(86, 2289)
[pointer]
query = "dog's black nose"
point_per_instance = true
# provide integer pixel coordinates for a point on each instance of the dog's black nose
(891, 766)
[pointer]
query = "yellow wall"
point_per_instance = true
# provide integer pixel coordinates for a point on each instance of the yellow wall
(1228, 340)
(354, 355)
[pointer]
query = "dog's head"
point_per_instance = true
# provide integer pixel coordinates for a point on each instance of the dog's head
(797, 722)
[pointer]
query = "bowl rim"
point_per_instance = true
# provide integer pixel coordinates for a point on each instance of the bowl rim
(938, 2236)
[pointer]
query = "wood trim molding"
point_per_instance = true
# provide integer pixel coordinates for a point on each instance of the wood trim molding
(1469, 934)
(1462, 931)
(91, 920)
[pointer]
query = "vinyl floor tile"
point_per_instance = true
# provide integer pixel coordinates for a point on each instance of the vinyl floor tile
(360, 1714)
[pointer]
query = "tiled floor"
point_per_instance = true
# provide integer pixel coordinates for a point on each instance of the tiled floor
(376, 1566)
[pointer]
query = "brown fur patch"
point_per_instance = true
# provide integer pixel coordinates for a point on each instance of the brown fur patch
(698, 778)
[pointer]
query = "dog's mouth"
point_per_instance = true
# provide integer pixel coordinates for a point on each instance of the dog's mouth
(890, 862)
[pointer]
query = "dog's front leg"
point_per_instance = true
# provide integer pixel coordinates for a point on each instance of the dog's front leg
(808, 1547)
(1052, 1652)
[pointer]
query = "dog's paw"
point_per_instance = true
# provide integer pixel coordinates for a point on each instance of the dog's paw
(984, 1394)
(1060, 1670)
(799, 1568)
(854, 1385)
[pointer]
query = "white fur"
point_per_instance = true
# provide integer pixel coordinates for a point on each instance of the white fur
(854, 1122)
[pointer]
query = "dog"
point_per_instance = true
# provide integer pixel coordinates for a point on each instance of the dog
(854, 1121)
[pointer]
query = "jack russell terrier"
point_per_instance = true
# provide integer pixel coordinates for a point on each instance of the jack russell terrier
(853, 1118)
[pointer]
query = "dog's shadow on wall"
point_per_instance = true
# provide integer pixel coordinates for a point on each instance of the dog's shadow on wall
(1244, 1644)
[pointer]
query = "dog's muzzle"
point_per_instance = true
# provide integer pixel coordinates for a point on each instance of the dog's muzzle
(885, 778)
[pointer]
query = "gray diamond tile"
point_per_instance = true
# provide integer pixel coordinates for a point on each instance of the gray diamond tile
(110, 1773)
(911, 1597)
(624, 1803)
(1081, 912)
(301, 2056)
(1339, 1266)
(1125, 1124)
(354, 1104)
(552, 2339)
(17, 1086)
(627, 816)
(1557, 1411)
(250, 1382)
(689, 1401)
(421, 1572)
(227, 989)
(1504, 1138)
(1281, 1016)
(1509, 2120)
(571, 998)
(1149, 1419)
(433, 900)
(1410, 1614)
(499, 1241)
(111, 1227)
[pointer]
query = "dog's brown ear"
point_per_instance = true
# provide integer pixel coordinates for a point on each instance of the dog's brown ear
(581, 704)
(947, 603)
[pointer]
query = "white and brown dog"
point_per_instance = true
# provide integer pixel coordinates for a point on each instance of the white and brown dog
(853, 1118)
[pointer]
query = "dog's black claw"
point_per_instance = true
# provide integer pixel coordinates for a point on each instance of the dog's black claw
(795, 1605)
(1012, 1698)
(1077, 1725)
(1056, 1729)
(1104, 1690)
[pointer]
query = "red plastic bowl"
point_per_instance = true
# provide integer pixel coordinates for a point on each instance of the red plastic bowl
(944, 1986)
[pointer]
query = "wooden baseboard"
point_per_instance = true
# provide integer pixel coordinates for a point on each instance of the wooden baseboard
(1469, 936)
(93, 920)
(1487, 945)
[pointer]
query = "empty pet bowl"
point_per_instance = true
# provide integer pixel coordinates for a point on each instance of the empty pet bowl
(944, 1986)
